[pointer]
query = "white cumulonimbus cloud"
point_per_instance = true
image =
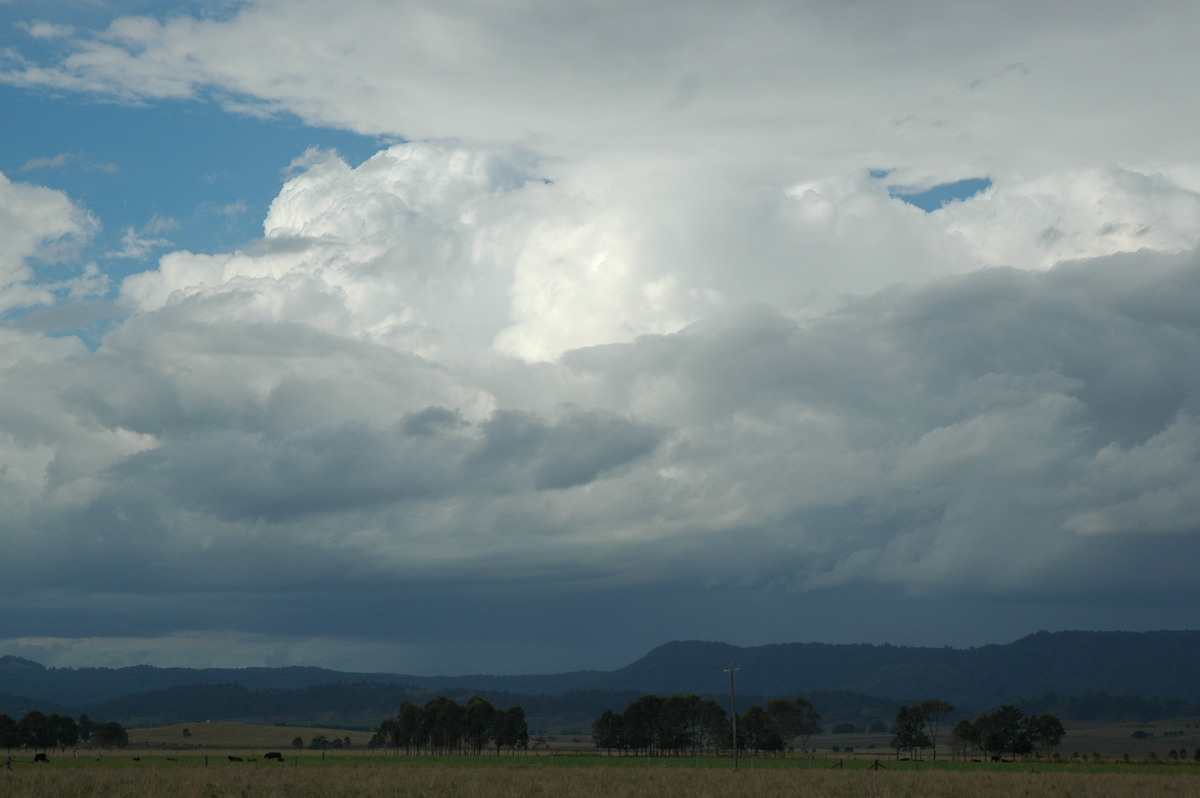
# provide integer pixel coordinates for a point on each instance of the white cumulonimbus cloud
(632, 310)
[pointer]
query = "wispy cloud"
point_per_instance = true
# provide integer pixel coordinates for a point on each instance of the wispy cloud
(46, 30)
(138, 244)
(66, 159)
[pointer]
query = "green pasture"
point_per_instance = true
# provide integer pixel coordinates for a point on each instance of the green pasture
(388, 760)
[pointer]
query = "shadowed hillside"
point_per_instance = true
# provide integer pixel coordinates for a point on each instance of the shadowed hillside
(1092, 675)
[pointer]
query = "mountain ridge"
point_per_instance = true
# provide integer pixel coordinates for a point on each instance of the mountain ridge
(1147, 666)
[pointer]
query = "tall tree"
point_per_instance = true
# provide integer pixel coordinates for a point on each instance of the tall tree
(478, 720)
(34, 730)
(509, 729)
(607, 732)
(641, 720)
(64, 730)
(442, 719)
(794, 720)
(964, 737)
(388, 733)
(714, 725)
(516, 728)
(1004, 731)
(757, 732)
(109, 735)
(408, 726)
(677, 730)
(8, 732)
(908, 730)
(1048, 732)
(934, 712)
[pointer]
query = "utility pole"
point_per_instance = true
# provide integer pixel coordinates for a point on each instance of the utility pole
(733, 713)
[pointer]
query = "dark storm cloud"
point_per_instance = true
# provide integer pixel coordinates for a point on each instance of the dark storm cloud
(967, 435)
(232, 474)
(992, 440)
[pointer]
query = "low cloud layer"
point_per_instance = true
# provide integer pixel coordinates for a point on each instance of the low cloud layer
(691, 367)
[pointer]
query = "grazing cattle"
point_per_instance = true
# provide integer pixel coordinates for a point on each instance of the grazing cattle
(233, 758)
(40, 758)
(274, 755)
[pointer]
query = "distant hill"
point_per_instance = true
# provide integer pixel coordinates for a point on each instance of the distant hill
(1145, 664)
(1085, 675)
(94, 685)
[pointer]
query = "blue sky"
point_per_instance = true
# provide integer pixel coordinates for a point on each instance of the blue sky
(384, 337)
(184, 172)
(933, 198)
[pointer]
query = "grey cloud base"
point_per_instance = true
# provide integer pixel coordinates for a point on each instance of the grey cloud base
(997, 437)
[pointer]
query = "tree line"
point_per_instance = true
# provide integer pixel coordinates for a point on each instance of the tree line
(37, 730)
(687, 725)
(1009, 732)
(443, 726)
(1004, 732)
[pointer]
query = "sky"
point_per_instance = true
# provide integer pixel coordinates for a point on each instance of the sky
(467, 337)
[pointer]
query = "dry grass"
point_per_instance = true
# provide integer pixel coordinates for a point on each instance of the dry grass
(524, 781)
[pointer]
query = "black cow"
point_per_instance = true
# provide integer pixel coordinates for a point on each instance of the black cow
(233, 758)
(40, 758)
(274, 755)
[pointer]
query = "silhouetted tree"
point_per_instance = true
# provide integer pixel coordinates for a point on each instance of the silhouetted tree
(64, 730)
(1048, 732)
(86, 725)
(479, 718)
(408, 726)
(714, 725)
(677, 727)
(1004, 731)
(908, 731)
(964, 737)
(757, 732)
(442, 724)
(387, 734)
(35, 731)
(110, 735)
(793, 720)
(511, 730)
(8, 732)
(608, 732)
(933, 713)
(640, 721)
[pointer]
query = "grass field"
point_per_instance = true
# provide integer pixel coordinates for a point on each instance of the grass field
(362, 776)
(196, 765)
